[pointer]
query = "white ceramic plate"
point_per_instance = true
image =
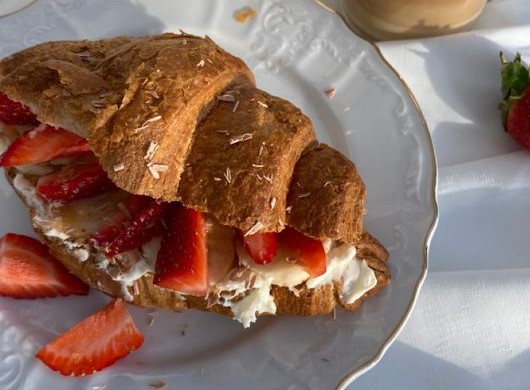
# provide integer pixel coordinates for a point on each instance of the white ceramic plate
(297, 50)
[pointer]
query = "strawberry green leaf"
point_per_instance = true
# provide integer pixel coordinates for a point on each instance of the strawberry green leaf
(515, 77)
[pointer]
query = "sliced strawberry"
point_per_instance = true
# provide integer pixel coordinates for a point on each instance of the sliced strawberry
(74, 181)
(308, 251)
(13, 113)
(80, 147)
(95, 343)
(28, 270)
(182, 263)
(42, 144)
(261, 247)
(145, 225)
(109, 231)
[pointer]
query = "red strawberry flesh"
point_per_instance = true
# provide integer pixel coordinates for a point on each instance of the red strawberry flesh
(74, 181)
(109, 231)
(42, 144)
(261, 247)
(80, 147)
(28, 270)
(146, 225)
(308, 251)
(182, 263)
(13, 113)
(95, 343)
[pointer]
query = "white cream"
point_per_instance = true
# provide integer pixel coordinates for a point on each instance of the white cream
(150, 249)
(342, 266)
(356, 277)
(279, 271)
(35, 169)
(258, 301)
(27, 190)
(128, 278)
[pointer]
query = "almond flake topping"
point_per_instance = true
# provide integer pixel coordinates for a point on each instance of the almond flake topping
(84, 54)
(200, 64)
(258, 165)
(155, 169)
(98, 104)
(288, 209)
(147, 122)
(272, 202)
(259, 177)
(151, 315)
(151, 150)
(217, 179)
(327, 183)
(235, 106)
(268, 177)
(153, 93)
(240, 138)
(305, 195)
(228, 175)
(226, 98)
(251, 281)
(209, 60)
(118, 167)
(225, 132)
(330, 92)
(153, 173)
(262, 104)
(254, 229)
(152, 119)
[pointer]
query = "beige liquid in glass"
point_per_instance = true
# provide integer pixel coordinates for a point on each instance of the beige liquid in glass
(397, 19)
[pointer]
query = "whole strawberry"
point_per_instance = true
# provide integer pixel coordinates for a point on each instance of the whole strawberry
(516, 103)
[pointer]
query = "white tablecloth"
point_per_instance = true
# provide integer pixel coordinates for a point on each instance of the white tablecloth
(471, 326)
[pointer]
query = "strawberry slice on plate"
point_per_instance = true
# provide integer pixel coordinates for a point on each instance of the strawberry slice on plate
(74, 181)
(145, 225)
(182, 262)
(95, 343)
(132, 205)
(261, 247)
(42, 144)
(308, 251)
(13, 113)
(28, 270)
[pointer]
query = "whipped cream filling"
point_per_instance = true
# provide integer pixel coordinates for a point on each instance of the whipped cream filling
(354, 275)
(245, 290)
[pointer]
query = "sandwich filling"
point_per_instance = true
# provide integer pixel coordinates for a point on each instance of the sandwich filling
(235, 280)
(235, 277)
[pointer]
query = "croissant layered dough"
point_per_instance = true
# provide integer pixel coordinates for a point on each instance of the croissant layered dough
(178, 119)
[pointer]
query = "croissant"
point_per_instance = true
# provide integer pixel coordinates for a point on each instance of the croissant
(276, 218)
